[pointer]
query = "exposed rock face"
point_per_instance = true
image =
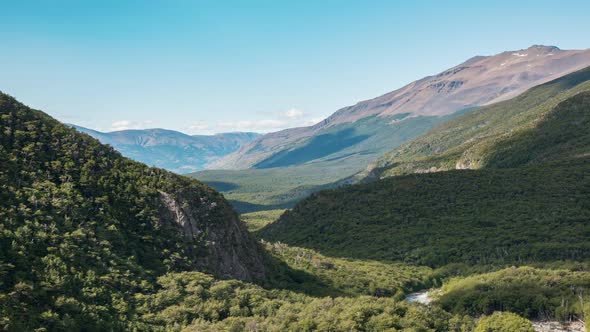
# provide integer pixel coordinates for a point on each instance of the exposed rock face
(230, 251)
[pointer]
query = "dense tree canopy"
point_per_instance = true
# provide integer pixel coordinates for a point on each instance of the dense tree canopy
(504, 216)
(503, 322)
(81, 229)
(529, 292)
(197, 302)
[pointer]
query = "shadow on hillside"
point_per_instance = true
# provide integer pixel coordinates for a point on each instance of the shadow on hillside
(222, 186)
(562, 135)
(246, 207)
(282, 276)
(319, 146)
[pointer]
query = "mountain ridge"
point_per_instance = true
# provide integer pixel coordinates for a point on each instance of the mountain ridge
(170, 149)
(466, 142)
(327, 155)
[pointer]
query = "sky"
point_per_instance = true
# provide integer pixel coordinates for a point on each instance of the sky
(204, 67)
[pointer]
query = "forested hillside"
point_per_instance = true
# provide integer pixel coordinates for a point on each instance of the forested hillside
(524, 203)
(360, 166)
(529, 292)
(84, 230)
(474, 217)
(91, 241)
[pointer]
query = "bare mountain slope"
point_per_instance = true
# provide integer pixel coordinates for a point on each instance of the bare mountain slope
(479, 81)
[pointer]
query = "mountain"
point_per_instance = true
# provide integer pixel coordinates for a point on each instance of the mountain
(374, 126)
(172, 150)
(84, 229)
(490, 136)
(524, 200)
(287, 166)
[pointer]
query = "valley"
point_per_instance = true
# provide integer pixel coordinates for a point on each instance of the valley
(430, 208)
(497, 212)
(294, 166)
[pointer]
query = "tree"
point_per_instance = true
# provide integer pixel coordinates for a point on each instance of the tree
(503, 322)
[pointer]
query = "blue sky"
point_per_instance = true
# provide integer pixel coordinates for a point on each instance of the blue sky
(215, 66)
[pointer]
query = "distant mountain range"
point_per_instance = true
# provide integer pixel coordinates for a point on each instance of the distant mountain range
(354, 136)
(172, 150)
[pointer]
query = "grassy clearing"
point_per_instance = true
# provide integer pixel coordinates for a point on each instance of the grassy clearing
(257, 220)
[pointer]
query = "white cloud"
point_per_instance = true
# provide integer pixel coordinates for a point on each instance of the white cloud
(198, 126)
(120, 125)
(271, 122)
(290, 118)
(294, 113)
(126, 124)
(274, 121)
(264, 125)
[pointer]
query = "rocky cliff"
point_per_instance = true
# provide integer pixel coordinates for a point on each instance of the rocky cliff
(230, 252)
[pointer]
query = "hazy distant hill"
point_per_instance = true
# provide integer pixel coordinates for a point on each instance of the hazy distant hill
(172, 150)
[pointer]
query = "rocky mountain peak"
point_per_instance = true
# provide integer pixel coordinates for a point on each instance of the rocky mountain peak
(544, 48)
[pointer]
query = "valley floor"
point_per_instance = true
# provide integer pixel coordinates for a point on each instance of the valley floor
(549, 290)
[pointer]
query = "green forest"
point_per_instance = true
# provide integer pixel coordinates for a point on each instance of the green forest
(508, 233)
(529, 214)
(82, 232)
